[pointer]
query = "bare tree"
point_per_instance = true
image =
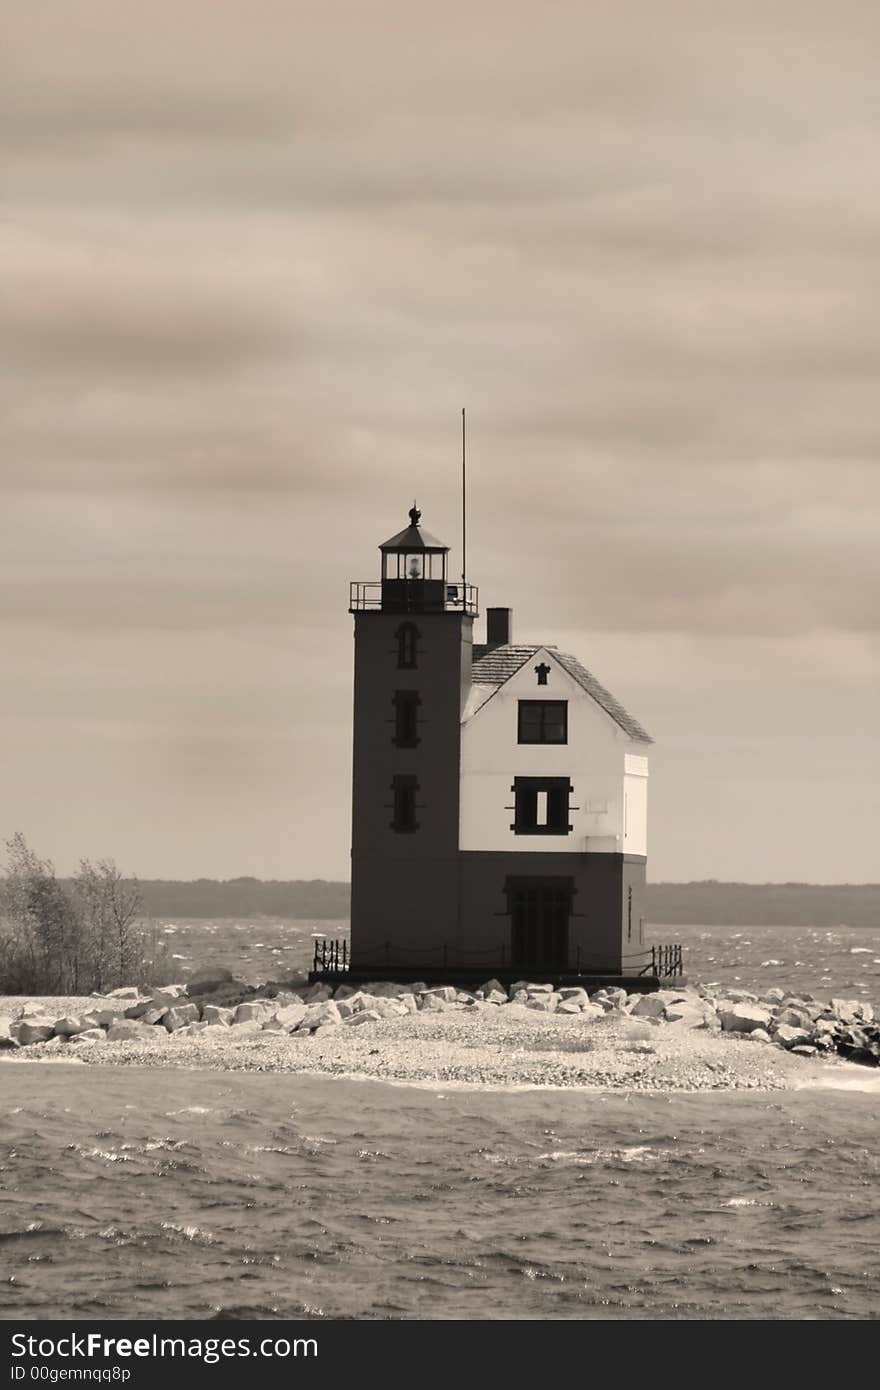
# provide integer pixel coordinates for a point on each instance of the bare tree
(110, 906)
(43, 940)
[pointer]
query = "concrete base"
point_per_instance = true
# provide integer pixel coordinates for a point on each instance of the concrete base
(470, 978)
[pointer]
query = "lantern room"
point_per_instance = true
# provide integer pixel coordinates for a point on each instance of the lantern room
(414, 577)
(414, 567)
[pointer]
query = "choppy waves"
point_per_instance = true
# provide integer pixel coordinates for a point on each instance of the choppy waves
(207, 1195)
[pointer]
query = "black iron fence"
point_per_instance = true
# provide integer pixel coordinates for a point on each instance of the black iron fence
(334, 957)
(663, 962)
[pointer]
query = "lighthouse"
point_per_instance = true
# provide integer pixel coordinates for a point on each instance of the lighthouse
(499, 807)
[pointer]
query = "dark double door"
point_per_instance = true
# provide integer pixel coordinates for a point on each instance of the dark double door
(540, 913)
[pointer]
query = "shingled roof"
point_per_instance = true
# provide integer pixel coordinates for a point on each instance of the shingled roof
(494, 666)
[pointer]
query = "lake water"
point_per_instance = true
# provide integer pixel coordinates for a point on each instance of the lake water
(133, 1193)
(189, 1194)
(822, 960)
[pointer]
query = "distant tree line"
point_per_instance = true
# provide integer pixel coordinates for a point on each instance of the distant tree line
(709, 902)
(73, 936)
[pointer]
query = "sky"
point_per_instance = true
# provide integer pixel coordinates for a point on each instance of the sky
(257, 255)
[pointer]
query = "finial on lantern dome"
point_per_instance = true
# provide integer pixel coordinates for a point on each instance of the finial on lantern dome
(415, 515)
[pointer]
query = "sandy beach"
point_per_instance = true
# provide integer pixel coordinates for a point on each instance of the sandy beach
(507, 1047)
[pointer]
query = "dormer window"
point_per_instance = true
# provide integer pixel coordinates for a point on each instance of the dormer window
(407, 646)
(543, 721)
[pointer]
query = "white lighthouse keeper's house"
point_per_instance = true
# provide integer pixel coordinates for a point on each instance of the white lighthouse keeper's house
(499, 811)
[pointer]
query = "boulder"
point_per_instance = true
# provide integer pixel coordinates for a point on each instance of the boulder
(738, 996)
(520, 997)
(355, 1002)
(804, 1049)
(32, 1030)
(214, 1015)
(463, 997)
(409, 1003)
(647, 1006)
(126, 992)
(180, 1016)
(67, 1027)
(492, 987)
(109, 1013)
(432, 1002)
(742, 1018)
(197, 1026)
(791, 1037)
(167, 994)
(608, 1006)
(251, 1025)
(850, 1010)
(774, 996)
(208, 979)
(544, 1003)
(568, 1006)
(759, 1035)
(540, 989)
(860, 1043)
(383, 989)
(795, 1018)
(685, 1015)
(322, 1012)
(617, 997)
(255, 1011)
(153, 1016)
(495, 996)
(292, 1015)
(272, 1025)
(132, 1030)
(7, 1042)
(443, 992)
(91, 1035)
(574, 994)
(138, 1010)
(362, 1016)
(590, 1012)
(388, 1008)
(344, 992)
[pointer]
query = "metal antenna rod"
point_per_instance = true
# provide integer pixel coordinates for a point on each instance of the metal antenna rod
(463, 516)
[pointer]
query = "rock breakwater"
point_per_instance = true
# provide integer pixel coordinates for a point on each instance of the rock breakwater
(216, 1005)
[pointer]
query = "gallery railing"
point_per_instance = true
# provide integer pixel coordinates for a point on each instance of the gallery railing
(419, 597)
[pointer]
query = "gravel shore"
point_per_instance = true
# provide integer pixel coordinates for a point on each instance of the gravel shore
(512, 1046)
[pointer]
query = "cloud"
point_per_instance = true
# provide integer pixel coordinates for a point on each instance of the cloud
(257, 256)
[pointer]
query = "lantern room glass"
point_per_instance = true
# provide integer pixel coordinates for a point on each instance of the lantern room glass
(415, 565)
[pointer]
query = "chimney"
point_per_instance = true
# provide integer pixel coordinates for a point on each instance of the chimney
(499, 626)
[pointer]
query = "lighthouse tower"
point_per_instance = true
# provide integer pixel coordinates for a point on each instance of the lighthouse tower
(413, 633)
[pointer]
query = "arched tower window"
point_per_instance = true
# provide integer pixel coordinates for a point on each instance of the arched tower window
(407, 646)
